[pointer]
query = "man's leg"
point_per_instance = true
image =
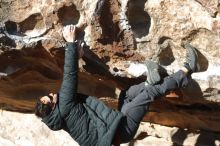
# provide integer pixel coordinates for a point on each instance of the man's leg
(135, 110)
(155, 74)
(128, 95)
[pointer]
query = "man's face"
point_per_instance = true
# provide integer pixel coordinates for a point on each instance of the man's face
(51, 99)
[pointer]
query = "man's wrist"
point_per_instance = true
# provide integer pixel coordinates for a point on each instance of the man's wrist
(71, 45)
(72, 41)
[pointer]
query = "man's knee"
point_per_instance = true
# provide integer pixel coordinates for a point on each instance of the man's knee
(133, 91)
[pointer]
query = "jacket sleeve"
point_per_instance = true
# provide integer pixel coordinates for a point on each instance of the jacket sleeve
(68, 90)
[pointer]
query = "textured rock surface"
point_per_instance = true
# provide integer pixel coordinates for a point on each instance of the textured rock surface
(120, 35)
(18, 129)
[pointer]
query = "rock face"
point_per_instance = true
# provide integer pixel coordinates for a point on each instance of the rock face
(120, 35)
(18, 129)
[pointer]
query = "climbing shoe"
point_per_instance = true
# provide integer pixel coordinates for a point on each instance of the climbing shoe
(191, 62)
(155, 73)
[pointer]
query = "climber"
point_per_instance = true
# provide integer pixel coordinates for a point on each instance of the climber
(88, 120)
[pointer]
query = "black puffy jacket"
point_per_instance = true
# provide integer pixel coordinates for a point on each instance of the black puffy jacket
(85, 118)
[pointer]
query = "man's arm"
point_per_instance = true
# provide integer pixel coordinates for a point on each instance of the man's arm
(68, 90)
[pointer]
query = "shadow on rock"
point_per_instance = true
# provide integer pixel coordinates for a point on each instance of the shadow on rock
(193, 91)
(202, 138)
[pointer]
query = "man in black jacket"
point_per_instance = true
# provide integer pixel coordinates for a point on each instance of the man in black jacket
(89, 121)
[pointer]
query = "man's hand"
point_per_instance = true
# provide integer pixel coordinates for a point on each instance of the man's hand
(69, 33)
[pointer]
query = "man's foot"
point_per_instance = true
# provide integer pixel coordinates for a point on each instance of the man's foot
(155, 72)
(191, 62)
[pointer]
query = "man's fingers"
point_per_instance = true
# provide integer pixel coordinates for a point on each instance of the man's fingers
(69, 33)
(65, 29)
(70, 28)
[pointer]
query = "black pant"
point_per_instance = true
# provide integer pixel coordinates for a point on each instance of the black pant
(135, 101)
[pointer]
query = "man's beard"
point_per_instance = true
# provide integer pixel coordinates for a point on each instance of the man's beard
(46, 109)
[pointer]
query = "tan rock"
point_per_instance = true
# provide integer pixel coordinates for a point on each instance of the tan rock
(120, 36)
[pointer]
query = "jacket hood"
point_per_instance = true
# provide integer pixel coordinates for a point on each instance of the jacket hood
(53, 120)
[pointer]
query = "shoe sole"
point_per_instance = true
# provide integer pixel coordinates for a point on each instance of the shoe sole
(153, 73)
(193, 50)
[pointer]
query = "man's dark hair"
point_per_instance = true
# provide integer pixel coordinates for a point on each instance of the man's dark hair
(42, 110)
